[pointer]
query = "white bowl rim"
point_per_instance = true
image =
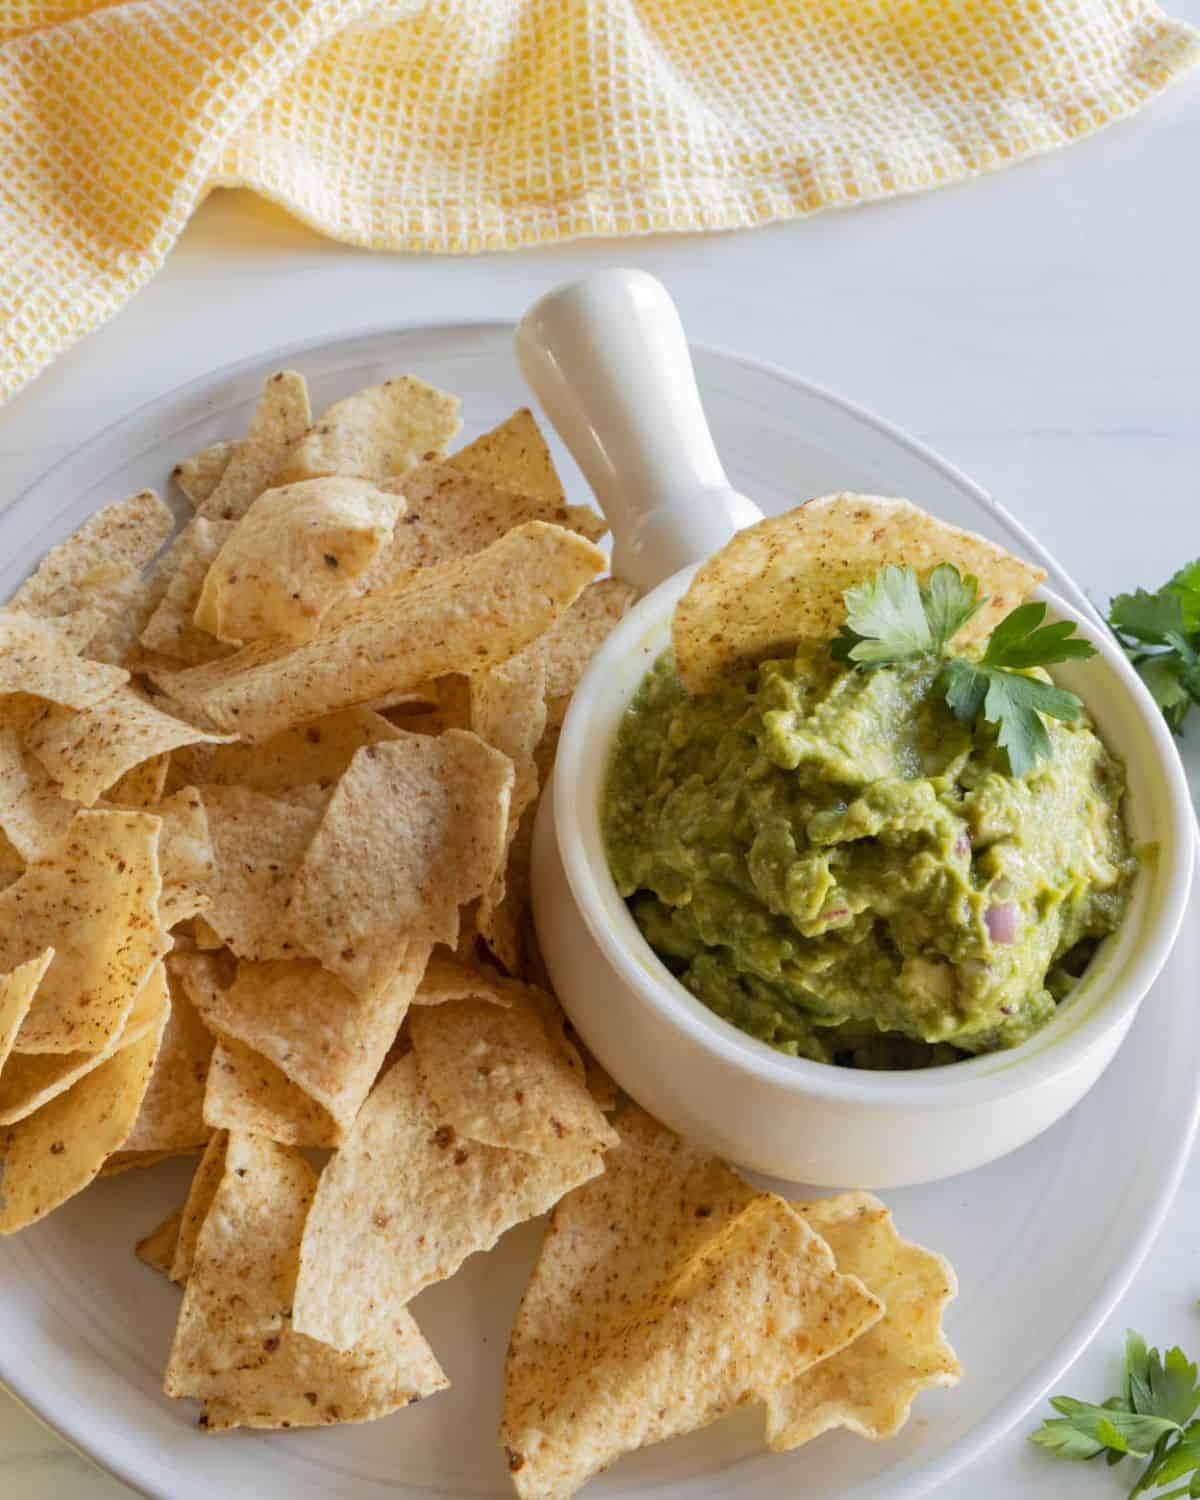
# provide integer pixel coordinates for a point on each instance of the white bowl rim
(986, 1078)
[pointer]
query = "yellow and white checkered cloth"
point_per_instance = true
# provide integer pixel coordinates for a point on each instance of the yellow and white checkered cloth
(459, 125)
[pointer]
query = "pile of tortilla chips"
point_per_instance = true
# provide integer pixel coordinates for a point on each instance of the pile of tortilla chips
(266, 794)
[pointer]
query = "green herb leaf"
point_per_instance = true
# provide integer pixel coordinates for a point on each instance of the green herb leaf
(1123, 1431)
(1060, 1436)
(1010, 700)
(1021, 640)
(950, 601)
(1147, 617)
(1170, 1388)
(1160, 634)
(886, 615)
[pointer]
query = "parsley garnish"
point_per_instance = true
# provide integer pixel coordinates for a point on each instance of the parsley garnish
(892, 618)
(1160, 634)
(1151, 1419)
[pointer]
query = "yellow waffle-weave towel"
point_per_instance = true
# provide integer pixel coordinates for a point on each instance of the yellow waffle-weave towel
(460, 125)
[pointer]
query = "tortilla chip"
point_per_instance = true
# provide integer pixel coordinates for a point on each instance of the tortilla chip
(17, 989)
(171, 628)
(281, 416)
(312, 754)
(403, 1204)
(455, 617)
(667, 1293)
(94, 900)
(508, 707)
(450, 515)
(118, 640)
(172, 1114)
(323, 1038)
(55, 1153)
(503, 1075)
(200, 474)
(371, 884)
(379, 431)
(258, 842)
(449, 976)
(515, 456)
(31, 1079)
(503, 911)
(186, 857)
(236, 1347)
(870, 1387)
(35, 659)
(33, 812)
(298, 551)
(205, 939)
(246, 1092)
(205, 1181)
(782, 580)
(93, 569)
(86, 751)
(157, 1249)
(575, 638)
(142, 786)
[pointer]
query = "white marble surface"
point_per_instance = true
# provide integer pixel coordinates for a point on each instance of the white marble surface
(1038, 327)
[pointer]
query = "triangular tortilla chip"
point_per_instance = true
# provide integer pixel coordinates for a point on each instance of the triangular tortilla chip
(574, 639)
(404, 1202)
(17, 988)
(55, 1153)
(451, 515)
(368, 886)
(94, 568)
(258, 843)
(205, 1181)
(870, 1387)
(235, 1345)
(379, 431)
(513, 456)
(782, 580)
(187, 860)
(157, 1249)
(94, 900)
(34, 814)
(246, 1092)
(325, 1039)
(198, 475)
(281, 416)
(88, 750)
(298, 551)
(28, 1080)
(171, 628)
(172, 1114)
(35, 659)
(455, 617)
(503, 1075)
(667, 1293)
(312, 754)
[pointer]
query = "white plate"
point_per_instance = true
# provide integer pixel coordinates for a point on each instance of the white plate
(1044, 1242)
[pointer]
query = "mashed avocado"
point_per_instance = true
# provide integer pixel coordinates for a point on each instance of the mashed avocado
(828, 859)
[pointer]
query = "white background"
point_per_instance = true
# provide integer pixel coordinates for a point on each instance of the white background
(1039, 327)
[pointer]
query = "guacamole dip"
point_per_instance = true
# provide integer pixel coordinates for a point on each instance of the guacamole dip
(831, 861)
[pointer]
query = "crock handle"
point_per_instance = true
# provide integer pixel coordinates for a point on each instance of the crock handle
(608, 360)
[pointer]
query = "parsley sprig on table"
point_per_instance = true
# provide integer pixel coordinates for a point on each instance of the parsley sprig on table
(892, 618)
(1160, 633)
(1151, 1419)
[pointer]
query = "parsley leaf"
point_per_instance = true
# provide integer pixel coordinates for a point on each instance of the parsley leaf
(890, 618)
(1151, 1420)
(1160, 634)
(886, 618)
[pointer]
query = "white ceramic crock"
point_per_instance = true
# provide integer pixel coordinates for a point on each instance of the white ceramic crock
(608, 359)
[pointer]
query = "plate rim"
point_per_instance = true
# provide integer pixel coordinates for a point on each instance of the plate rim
(973, 1444)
